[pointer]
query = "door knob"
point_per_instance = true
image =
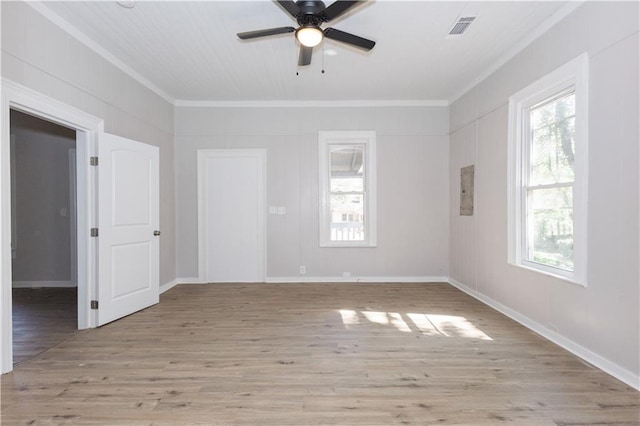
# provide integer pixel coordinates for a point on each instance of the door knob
(156, 233)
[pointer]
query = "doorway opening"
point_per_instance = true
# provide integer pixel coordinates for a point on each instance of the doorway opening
(15, 97)
(43, 227)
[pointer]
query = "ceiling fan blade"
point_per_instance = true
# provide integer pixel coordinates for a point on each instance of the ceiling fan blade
(305, 56)
(290, 6)
(338, 8)
(264, 33)
(348, 38)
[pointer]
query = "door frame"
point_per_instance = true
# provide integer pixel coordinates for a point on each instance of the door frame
(261, 155)
(88, 129)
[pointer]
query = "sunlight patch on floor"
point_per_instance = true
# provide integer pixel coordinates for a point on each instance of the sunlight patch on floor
(427, 324)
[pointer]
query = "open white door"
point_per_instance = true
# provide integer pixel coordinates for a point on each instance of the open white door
(128, 239)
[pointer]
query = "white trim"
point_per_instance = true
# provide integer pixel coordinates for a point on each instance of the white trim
(73, 213)
(311, 104)
(574, 73)
(598, 361)
(541, 29)
(190, 280)
(82, 38)
(14, 201)
(21, 98)
(168, 286)
(261, 155)
(43, 284)
(336, 279)
(330, 279)
(358, 137)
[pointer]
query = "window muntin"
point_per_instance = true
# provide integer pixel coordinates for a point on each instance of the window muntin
(347, 189)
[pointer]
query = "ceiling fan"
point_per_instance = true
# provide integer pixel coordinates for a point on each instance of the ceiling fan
(311, 14)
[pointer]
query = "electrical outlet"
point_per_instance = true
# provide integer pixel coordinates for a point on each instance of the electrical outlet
(346, 275)
(303, 269)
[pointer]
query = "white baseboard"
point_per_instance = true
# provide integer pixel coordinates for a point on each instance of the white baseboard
(43, 284)
(598, 361)
(168, 286)
(192, 280)
(307, 279)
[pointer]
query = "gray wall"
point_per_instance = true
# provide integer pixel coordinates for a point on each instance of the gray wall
(43, 243)
(602, 318)
(38, 54)
(412, 151)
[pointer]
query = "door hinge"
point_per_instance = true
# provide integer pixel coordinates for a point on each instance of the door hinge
(94, 304)
(93, 161)
(94, 232)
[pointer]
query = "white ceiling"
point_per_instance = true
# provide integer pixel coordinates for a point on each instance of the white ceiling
(189, 51)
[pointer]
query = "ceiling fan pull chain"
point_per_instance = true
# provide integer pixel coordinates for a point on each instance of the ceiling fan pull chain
(297, 68)
(322, 58)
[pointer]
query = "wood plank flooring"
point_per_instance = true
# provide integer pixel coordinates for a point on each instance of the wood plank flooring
(304, 354)
(42, 318)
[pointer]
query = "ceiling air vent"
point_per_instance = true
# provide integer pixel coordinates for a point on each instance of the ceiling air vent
(461, 25)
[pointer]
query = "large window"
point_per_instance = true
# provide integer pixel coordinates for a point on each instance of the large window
(548, 148)
(347, 189)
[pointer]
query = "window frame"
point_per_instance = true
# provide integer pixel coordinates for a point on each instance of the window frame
(573, 74)
(367, 138)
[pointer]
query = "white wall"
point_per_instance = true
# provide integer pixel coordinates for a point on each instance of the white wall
(43, 240)
(40, 55)
(600, 322)
(413, 185)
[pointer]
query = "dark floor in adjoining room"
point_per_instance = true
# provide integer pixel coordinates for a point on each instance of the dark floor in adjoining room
(42, 318)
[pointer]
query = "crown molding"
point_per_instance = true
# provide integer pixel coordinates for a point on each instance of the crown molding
(311, 104)
(82, 38)
(545, 26)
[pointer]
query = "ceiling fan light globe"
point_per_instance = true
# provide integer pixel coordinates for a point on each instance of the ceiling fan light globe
(309, 36)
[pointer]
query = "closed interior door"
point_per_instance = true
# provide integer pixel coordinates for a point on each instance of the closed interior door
(231, 201)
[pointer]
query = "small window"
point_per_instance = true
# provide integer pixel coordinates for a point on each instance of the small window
(347, 189)
(548, 148)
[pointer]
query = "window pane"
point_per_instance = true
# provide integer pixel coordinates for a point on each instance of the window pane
(550, 227)
(347, 217)
(553, 141)
(346, 163)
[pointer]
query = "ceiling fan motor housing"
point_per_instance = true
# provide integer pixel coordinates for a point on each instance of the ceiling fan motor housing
(310, 11)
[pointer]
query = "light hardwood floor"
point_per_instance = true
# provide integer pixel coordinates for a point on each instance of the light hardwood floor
(297, 354)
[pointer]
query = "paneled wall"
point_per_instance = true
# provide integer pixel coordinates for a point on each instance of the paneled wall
(40, 55)
(412, 151)
(601, 321)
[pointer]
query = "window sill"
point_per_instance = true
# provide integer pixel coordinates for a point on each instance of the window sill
(572, 280)
(347, 245)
